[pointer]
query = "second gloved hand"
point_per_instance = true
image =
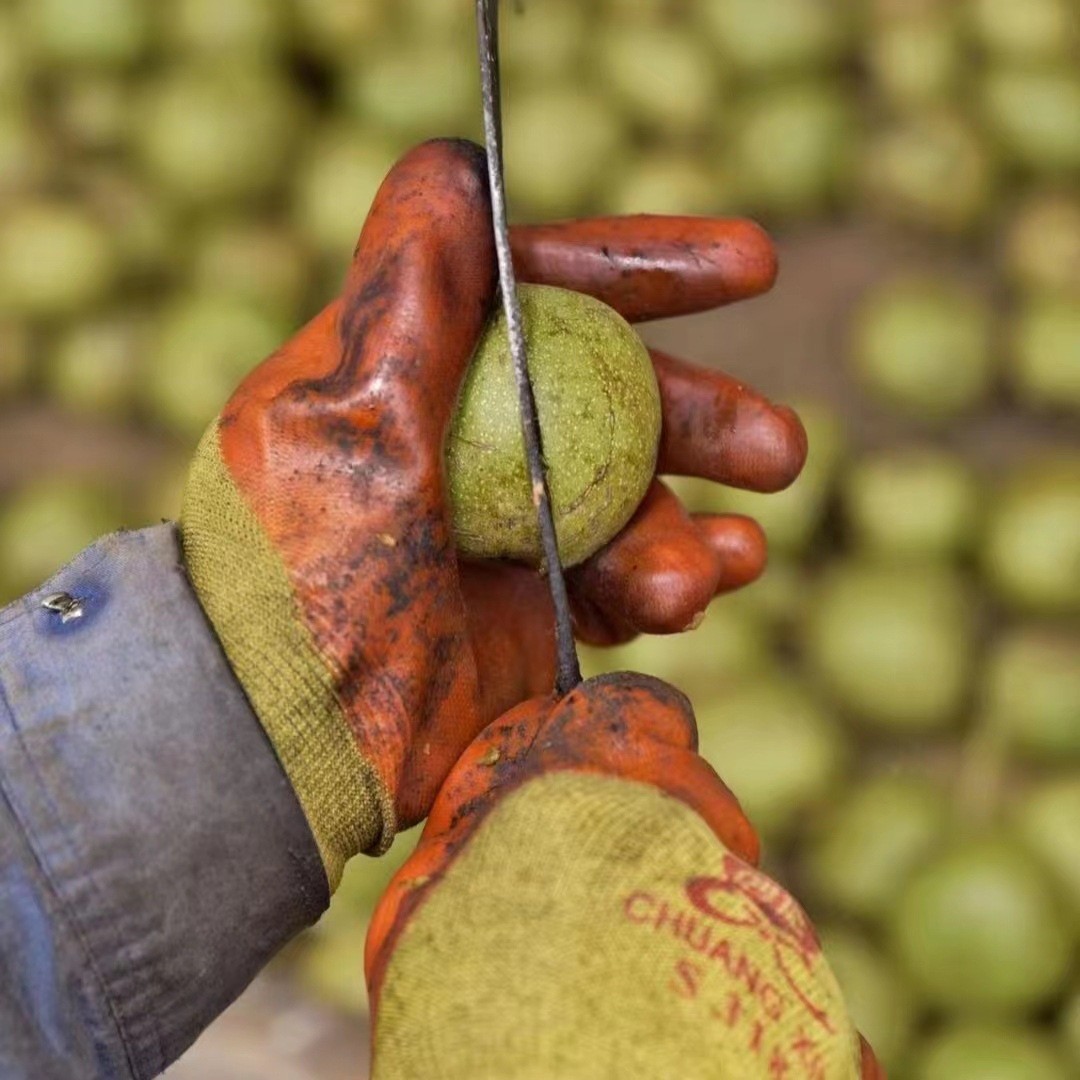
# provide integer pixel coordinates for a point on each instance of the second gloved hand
(584, 903)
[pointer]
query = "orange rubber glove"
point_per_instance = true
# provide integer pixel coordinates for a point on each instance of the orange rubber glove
(584, 903)
(316, 529)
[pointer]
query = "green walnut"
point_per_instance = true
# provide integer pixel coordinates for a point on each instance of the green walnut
(599, 410)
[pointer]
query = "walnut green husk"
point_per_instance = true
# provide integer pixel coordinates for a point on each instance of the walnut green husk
(599, 410)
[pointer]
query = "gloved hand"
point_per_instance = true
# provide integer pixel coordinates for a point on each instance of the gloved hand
(316, 529)
(584, 903)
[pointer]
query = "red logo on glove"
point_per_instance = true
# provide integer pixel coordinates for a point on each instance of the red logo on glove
(770, 908)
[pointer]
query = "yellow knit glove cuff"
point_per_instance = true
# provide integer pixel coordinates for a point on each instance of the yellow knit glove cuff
(245, 592)
(595, 927)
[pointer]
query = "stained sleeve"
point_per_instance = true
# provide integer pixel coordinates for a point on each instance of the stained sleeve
(153, 856)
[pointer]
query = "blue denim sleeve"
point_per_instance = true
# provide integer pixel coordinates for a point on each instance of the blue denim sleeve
(153, 856)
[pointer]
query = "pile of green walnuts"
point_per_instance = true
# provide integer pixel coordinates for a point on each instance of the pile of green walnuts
(897, 701)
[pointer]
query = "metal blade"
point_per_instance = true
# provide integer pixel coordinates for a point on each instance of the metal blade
(568, 673)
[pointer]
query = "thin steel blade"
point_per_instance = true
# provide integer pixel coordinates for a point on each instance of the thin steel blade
(568, 673)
